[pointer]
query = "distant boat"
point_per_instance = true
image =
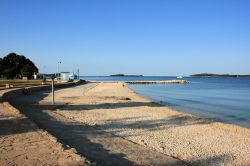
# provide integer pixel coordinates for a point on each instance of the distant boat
(179, 77)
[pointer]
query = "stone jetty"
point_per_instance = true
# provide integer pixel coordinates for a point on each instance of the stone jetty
(159, 82)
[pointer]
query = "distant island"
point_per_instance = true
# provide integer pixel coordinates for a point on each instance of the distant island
(217, 75)
(124, 75)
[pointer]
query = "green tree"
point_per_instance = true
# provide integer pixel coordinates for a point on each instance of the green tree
(14, 65)
(27, 71)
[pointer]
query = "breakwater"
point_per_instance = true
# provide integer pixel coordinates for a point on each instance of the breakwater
(159, 82)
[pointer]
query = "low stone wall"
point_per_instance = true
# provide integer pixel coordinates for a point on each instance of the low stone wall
(10, 93)
(6, 95)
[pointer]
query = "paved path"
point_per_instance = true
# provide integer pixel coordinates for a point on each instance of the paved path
(98, 146)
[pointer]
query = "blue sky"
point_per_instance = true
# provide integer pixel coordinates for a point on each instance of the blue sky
(149, 37)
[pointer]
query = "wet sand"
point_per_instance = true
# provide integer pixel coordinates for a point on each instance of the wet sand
(114, 109)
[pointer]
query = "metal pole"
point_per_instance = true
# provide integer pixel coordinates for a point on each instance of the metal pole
(58, 75)
(53, 96)
(78, 74)
(44, 72)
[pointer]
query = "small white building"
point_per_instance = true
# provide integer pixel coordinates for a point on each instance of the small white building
(64, 76)
(35, 76)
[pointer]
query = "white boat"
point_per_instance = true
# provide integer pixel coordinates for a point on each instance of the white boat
(179, 77)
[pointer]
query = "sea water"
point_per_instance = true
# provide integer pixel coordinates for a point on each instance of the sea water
(222, 99)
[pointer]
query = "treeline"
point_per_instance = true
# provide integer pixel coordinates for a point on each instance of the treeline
(16, 66)
(218, 75)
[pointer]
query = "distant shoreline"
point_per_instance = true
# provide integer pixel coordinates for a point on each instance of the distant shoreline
(218, 75)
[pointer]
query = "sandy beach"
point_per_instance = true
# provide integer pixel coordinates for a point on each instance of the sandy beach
(114, 109)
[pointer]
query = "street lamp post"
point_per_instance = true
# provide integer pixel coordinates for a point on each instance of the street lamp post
(78, 74)
(44, 72)
(58, 63)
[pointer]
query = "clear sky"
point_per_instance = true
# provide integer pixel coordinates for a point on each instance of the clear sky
(149, 37)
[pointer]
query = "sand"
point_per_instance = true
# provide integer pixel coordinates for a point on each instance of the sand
(22, 143)
(100, 147)
(114, 108)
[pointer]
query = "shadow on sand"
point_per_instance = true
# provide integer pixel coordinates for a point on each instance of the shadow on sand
(10, 126)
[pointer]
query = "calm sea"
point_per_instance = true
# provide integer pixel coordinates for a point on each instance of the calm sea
(223, 99)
